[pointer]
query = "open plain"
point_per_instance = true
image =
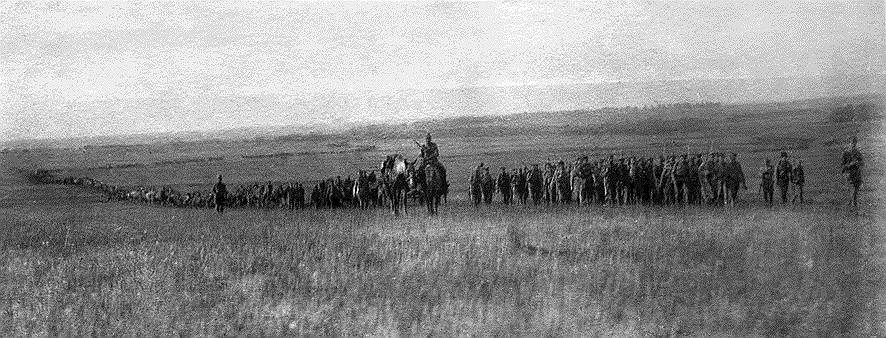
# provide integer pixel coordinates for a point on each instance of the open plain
(77, 264)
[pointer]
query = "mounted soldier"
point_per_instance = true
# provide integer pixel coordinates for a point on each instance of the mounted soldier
(852, 165)
(429, 155)
(432, 174)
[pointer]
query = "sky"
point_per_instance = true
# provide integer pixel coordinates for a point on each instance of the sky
(70, 69)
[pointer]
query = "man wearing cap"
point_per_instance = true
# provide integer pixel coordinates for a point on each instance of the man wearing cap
(783, 171)
(220, 192)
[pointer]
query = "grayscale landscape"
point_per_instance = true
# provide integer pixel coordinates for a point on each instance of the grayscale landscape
(108, 199)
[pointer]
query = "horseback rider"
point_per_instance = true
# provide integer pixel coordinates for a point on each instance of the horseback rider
(429, 156)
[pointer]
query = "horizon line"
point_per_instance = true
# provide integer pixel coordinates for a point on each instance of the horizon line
(24, 142)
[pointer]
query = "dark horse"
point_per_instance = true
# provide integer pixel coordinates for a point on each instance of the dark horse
(394, 182)
(434, 187)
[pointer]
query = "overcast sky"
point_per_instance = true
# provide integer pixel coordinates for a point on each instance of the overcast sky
(79, 69)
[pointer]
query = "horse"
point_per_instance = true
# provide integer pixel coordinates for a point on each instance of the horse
(434, 187)
(394, 182)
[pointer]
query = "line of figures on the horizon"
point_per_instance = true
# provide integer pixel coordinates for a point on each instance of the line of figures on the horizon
(333, 192)
(714, 179)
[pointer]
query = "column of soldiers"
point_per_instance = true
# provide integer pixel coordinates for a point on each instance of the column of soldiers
(268, 195)
(713, 179)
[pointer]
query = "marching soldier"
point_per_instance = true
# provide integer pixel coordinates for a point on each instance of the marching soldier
(488, 186)
(705, 178)
(783, 176)
(852, 165)
(535, 184)
(516, 185)
(504, 186)
(220, 192)
(681, 174)
(477, 184)
(766, 176)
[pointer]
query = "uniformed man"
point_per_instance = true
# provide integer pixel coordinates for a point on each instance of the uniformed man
(734, 179)
(429, 156)
(610, 179)
(718, 177)
(516, 188)
(535, 184)
(429, 152)
(705, 177)
(504, 186)
(766, 179)
(289, 195)
(488, 186)
(681, 175)
(852, 165)
(799, 179)
(220, 192)
(783, 176)
(477, 184)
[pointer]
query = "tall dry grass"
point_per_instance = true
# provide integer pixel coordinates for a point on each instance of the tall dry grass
(574, 271)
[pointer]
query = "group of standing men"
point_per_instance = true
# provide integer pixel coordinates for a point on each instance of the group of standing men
(687, 179)
(785, 175)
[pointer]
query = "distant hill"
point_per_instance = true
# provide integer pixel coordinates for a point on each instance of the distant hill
(497, 110)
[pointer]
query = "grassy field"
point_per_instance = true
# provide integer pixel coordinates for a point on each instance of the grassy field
(77, 265)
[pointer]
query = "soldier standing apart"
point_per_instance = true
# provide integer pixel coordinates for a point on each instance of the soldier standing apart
(852, 164)
(766, 173)
(220, 192)
(799, 179)
(734, 179)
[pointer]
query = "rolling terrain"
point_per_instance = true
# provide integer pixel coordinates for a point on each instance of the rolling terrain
(76, 264)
